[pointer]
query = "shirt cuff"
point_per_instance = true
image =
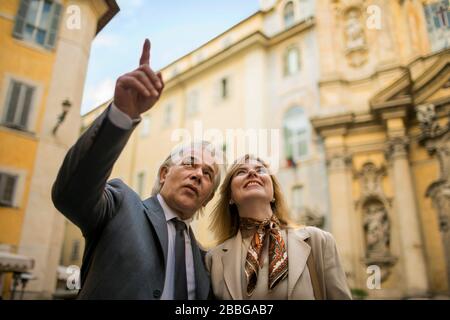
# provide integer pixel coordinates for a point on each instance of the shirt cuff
(121, 119)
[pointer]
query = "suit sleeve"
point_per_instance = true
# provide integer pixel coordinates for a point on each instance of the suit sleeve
(80, 191)
(335, 279)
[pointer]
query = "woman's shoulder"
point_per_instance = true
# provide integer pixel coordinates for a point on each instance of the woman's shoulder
(316, 234)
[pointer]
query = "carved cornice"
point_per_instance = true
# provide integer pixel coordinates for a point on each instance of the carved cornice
(338, 161)
(397, 147)
(342, 6)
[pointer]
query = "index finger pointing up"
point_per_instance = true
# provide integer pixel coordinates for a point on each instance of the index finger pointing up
(145, 56)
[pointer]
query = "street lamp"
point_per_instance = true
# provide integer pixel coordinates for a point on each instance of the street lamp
(65, 106)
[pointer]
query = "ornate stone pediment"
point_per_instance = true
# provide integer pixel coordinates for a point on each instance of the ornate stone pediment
(417, 87)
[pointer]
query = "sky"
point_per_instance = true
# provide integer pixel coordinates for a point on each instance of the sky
(174, 27)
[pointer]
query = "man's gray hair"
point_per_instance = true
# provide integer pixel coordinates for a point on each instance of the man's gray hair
(177, 155)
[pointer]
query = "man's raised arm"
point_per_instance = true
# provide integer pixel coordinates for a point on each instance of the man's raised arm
(80, 191)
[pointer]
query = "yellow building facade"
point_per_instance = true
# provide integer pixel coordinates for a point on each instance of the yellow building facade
(43, 60)
(357, 93)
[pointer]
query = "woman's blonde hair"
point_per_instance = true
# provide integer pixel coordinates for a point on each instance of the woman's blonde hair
(225, 216)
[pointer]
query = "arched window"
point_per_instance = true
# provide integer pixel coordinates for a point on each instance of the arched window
(288, 14)
(296, 134)
(291, 61)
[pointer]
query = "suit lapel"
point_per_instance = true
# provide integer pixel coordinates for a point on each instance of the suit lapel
(231, 260)
(298, 252)
(155, 214)
(202, 282)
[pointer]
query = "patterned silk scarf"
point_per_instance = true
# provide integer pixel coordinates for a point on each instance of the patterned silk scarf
(278, 259)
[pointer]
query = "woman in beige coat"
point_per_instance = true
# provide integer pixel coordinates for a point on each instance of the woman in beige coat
(261, 254)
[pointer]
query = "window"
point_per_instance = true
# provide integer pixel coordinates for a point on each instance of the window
(437, 15)
(295, 129)
(224, 88)
(192, 103)
(288, 14)
(37, 21)
(18, 105)
(291, 61)
(75, 254)
(145, 129)
(8, 183)
(140, 183)
(168, 115)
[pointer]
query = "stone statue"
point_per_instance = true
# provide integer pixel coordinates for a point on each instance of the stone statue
(376, 227)
(354, 31)
(426, 115)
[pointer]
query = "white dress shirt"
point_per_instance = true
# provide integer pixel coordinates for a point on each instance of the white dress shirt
(120, 118)
(169, 283)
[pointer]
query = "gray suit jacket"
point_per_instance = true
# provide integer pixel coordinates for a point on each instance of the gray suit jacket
(126, 238)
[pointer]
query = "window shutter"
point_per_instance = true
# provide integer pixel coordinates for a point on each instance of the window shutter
(286, 63)
(51, 39)
(7, 187)
(225, 86)
(20, 18)
(26, 107)
(287, 143)
(13, 100)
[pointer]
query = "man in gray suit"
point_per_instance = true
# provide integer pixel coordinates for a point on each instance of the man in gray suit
(134, 246)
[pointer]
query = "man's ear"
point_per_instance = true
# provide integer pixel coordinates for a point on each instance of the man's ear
(209, 199)
(162, 174)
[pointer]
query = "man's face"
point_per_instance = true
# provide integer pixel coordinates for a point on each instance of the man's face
(188, 184)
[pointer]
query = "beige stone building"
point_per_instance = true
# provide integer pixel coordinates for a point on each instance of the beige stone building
(357, 92)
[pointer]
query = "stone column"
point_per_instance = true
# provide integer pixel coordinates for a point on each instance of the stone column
(412, 248)
(341, 208)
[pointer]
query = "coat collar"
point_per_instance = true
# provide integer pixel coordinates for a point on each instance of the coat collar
(298, 252)
(231, 252)
(231, 260)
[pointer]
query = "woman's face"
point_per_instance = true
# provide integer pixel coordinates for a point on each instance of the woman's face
(251, 182)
